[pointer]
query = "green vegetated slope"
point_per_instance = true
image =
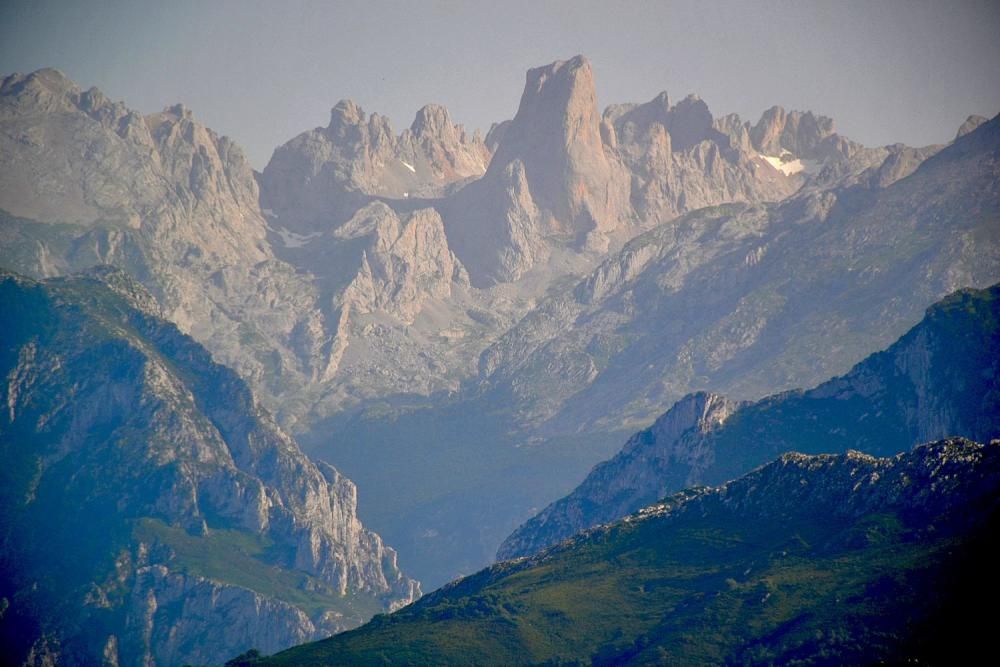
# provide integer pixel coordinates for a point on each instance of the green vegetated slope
(811, 559)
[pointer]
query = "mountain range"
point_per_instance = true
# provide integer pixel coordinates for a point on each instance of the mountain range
(463, 323)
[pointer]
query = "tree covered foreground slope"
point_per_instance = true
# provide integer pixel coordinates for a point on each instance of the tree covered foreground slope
(826, 559)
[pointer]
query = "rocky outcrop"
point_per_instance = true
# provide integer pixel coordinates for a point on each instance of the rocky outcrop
(405, 262)
(615, 489)
(155, 501)
(970, 125)
(556, 135)
(940, 379)
(552, 180)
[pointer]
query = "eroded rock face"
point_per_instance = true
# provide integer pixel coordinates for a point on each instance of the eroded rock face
(556, 135)
(552, 180)
(154, 498)
(612, 490)
(681, 159)
(406, 261)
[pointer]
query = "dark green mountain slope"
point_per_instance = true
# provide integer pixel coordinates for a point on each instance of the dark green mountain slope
(809, 560)
(150, 511)
(941, 379)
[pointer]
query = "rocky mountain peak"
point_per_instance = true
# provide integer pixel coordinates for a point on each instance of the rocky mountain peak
(213, 168)
(346, 112)
(320, 178)
(576, 182)
(179, 112)
(562, 80)
(701, 411)
(681, 159)
(795, 131)
(432, 120)
(970, 124)
(558, 110)
(48, 91)
(40, 86)
(689, 123)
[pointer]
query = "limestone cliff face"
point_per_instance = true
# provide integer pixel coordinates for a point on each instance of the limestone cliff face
(938, 380)
(405, 262)
(552, 181)
(151, 500)
(575, 180)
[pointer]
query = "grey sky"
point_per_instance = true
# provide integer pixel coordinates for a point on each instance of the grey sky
(261, 72)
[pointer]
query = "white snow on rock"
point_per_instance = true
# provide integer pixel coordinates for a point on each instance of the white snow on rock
(788, 164)
(409, 166)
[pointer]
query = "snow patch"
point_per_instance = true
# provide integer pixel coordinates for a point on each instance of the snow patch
(788, 164)
(409, 166)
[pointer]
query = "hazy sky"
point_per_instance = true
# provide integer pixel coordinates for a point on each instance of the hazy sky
(261, 72)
